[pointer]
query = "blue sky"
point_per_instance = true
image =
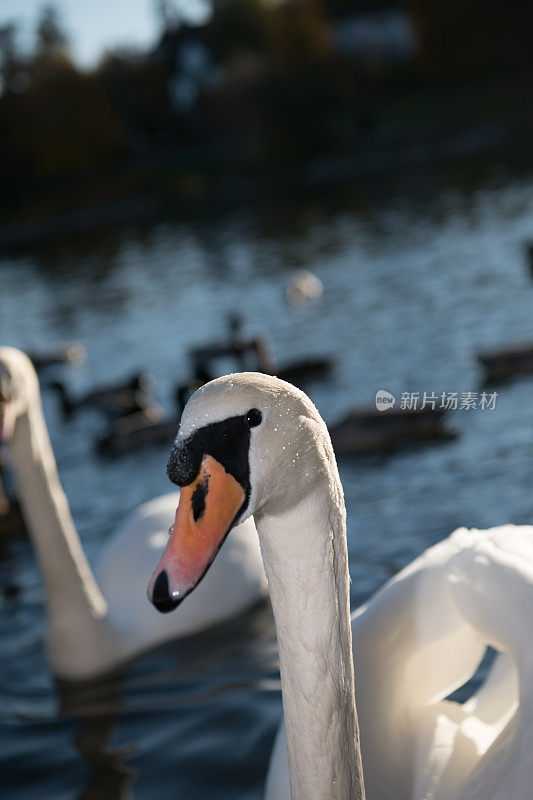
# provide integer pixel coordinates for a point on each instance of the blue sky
(94, 25)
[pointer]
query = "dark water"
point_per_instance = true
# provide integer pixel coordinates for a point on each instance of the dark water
(412, 288)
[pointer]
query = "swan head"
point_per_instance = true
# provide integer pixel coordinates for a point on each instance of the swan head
(247, 444)
(18, 385)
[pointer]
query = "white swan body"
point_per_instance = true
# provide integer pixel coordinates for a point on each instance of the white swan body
(417, 640)
(420, 638)
(134, 550)
(102, 619)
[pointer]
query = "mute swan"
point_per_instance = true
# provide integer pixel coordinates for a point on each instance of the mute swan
(252, 444)
(99, 620)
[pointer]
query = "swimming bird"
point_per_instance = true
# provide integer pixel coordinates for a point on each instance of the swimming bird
(100, 619)
(142, 429)
(365, 430)
(71, 353)
(503, 365)
(252, 444)
(115, 400)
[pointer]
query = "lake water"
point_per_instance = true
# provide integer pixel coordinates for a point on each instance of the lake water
(413, 287)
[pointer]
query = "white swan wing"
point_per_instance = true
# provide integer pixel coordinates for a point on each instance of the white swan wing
(416, 641)
(492, 583)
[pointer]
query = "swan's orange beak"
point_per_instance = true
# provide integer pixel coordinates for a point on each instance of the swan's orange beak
(207, 509)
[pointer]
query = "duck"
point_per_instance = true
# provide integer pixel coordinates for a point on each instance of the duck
(115, 400)
(250, 444)
(258, 352)
(143, 429)
(365, 431)
(303, 371)
(99, 619)
(299, 372)
(148, 427)
(72, 353)
(510, 362)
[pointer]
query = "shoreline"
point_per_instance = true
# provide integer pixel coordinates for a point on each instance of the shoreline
(371, 162)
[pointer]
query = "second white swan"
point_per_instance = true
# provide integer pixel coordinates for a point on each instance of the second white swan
(100, 619)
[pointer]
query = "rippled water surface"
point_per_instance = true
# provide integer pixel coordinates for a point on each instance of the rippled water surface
(412, 289)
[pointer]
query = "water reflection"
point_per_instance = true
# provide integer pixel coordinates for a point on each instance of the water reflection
(168, 686)
(96, 707)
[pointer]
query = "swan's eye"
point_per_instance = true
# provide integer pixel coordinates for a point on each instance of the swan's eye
(254, 417)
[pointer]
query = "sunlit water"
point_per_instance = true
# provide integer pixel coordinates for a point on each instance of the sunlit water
(412, 289)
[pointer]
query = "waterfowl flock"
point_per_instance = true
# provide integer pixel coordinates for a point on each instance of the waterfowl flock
(134, 419)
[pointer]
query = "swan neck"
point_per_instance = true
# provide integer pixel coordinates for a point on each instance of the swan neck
(306, 563)
(73, 597)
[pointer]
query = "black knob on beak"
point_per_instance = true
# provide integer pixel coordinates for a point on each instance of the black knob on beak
(161, 597)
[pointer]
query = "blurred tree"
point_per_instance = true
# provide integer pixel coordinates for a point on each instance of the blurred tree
(63, 127)
(355, 7)
(272, 87)
(238, 25)
(135, 86)
(302, 32)
(9, 55)
(51, 38)
(8, 45)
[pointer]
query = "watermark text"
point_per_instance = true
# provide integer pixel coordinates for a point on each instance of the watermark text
(443, 401)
